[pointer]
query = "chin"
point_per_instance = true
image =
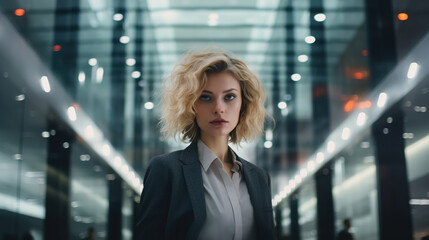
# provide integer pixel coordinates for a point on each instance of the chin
(218, 134)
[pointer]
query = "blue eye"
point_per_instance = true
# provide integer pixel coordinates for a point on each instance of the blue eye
(205, 98)
(229, 97)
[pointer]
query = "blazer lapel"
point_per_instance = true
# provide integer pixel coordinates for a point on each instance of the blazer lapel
(252, 184)
(256, 196)
(194, 184)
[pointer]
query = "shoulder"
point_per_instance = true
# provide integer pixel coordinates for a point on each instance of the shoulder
(168, 156)
(163, 167)
(166, 160)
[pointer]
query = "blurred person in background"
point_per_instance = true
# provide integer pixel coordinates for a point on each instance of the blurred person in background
(207, 191)
(91, 234)
(28, 236)
(344, 234)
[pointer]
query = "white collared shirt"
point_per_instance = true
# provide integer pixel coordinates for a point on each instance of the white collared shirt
(228, 207)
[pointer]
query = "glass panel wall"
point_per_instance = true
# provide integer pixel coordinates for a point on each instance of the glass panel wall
(94, 60)
(127, 213)
(307, 211)
(89, 194)
(347, 63)
(286, 220)
(416, 135)
(411, 26)
(23, 153)
(355, 190)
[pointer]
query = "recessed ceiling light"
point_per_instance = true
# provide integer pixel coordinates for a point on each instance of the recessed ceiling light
(148, 105)
(136, 74)
(296, 77)
(303, 58)
(45, 84)
(118, 17)
(320, 17)
(131, 61)
(268, 144)
(92, 62)
(282, 105)
(310, 39)
(124, 39)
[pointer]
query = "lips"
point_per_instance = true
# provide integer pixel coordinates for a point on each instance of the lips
(218, 121)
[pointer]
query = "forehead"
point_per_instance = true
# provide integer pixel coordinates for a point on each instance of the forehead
(223, 80)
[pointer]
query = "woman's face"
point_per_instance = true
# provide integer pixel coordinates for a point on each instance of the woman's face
(218, 107)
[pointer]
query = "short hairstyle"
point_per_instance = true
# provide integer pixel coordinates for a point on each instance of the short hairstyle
(186, 83)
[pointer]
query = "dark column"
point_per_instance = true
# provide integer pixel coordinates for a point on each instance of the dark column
(393, 191)
(392, 179)
(321, 122)
(138, 96)
(381, 39)
(275, 96)
(65, 47)
(138, 114)
(136, 211)
(114, 222)
(57, 197)
(321, 112)
(279, 219)
(64, 65)
(118, 79)
(294, 217)
(291, 131)
(152, 147)
(276, 150)
(263, 153)
(325, 205)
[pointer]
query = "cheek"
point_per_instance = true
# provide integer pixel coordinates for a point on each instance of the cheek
(199, 112)
(237, 109)
(197, 108)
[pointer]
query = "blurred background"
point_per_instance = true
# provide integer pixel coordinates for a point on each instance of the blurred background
(347, 84)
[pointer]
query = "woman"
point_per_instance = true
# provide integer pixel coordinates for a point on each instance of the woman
(206, 191)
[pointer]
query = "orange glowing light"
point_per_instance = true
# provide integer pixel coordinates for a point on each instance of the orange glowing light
(57, 48)
(364, 104)
(402, 16)
(358, 75)
(19, 12)
(365, 53)
(350, 104)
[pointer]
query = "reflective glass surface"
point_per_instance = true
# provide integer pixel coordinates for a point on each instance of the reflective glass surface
(307, 211)
(355, 190)
(92, 72)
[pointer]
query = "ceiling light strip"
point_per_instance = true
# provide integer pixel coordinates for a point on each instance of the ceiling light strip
(404, 77)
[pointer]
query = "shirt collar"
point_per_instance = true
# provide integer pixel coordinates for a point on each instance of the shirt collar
(207, 157)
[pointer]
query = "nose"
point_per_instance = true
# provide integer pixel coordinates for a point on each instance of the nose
(219, 107)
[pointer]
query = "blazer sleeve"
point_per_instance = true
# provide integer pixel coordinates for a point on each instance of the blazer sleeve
(154, 201)
(271, 220)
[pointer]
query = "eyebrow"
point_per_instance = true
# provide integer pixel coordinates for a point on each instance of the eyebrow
(229, 90)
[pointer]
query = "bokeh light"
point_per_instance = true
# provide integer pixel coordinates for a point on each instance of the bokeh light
(402, 16)
(19, 12)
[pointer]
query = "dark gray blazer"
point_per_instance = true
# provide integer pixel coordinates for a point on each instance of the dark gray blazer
(172, 204)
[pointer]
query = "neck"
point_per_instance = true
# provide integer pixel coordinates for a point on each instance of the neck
(219, 146)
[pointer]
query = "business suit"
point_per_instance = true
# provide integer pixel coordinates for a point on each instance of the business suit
(173, 203)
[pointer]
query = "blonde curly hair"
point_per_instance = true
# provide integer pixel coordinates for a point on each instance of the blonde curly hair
(186, 83)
